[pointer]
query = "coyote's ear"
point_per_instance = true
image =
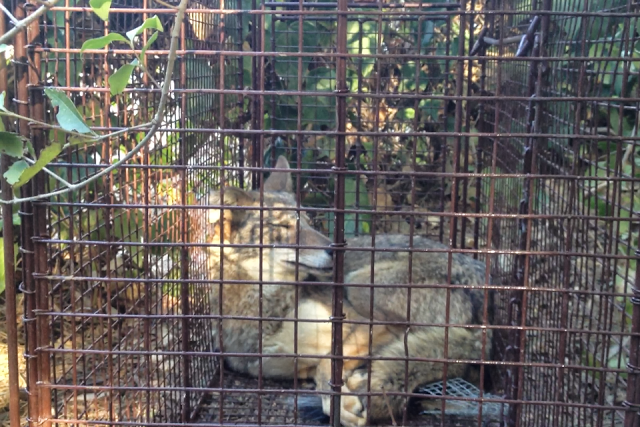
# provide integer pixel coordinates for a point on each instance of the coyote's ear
(232, 197)
(280, 181)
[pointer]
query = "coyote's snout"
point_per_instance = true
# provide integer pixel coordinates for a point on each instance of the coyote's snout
(272, 243)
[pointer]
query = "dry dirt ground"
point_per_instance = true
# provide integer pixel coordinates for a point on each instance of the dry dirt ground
(4, 366)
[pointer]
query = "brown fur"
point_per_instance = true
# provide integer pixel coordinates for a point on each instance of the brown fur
(427, 305)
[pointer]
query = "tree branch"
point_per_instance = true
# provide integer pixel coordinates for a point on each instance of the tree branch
(631, 145)
(165, 4)
(91, 140)
(50, 126)
(96, 139)
(155, 122)
(54, 175)
(144, 68)
(21, 25)
(10, 15)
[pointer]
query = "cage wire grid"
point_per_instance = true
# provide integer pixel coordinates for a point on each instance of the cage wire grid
(505, 129)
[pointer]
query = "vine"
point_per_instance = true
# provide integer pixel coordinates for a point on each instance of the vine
(70, 121)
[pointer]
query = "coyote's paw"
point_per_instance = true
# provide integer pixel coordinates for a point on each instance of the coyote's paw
(355, 407)
(353, 412)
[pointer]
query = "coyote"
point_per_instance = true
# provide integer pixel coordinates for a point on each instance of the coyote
(281, 232)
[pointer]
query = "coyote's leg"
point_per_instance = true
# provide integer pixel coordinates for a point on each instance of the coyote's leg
(388, 376)
(314, 338)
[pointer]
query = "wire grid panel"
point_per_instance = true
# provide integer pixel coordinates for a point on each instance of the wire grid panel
(115, 286)
(461, 388)
(578, 105)
(380, 105)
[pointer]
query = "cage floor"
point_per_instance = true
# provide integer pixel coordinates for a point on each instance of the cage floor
(278, 407)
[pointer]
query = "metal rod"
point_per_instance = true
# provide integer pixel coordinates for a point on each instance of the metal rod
(185, 295)
(27, 232)
(339, 205)
(38, 138)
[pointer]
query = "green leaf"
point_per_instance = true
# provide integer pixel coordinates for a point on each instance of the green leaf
(74, 64)
(428, 31)
(3, 47)
(287, 69)
(118, 81)
(287, 36)
(77, 140)
(351, 188)
(406, 114)
(318, 110)
(153, 38)
(570, 24)
(11, 144)
(16, 220)
(100, 42)
(12, 175)
(46, 156)
(81, 173)
(322, 79)
(614, 122)
(2, 95)
(101, 8)
(153, 23)
(430, 107)
(30, 149)
(199, 103)
(68, 116)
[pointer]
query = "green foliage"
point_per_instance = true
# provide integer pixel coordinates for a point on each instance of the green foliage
(46, 156)
(570, 25)
(68, 116)
(2, 253)
(73, 124)
(118, 81)
(16, 221)
(13, 174)
(11, 144)
(363, 37)
(363, 222)
(101, 8)
(610, 73)
(354, 224)
(151, 40)
(55, 34)
(152, 23)
(198, 104)
(101, 42)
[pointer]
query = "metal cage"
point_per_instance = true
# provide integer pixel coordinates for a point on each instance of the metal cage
(505, 129)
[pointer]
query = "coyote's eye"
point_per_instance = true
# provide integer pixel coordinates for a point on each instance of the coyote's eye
(278, 224)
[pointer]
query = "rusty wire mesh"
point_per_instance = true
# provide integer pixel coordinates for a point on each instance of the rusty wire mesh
(506, 129)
